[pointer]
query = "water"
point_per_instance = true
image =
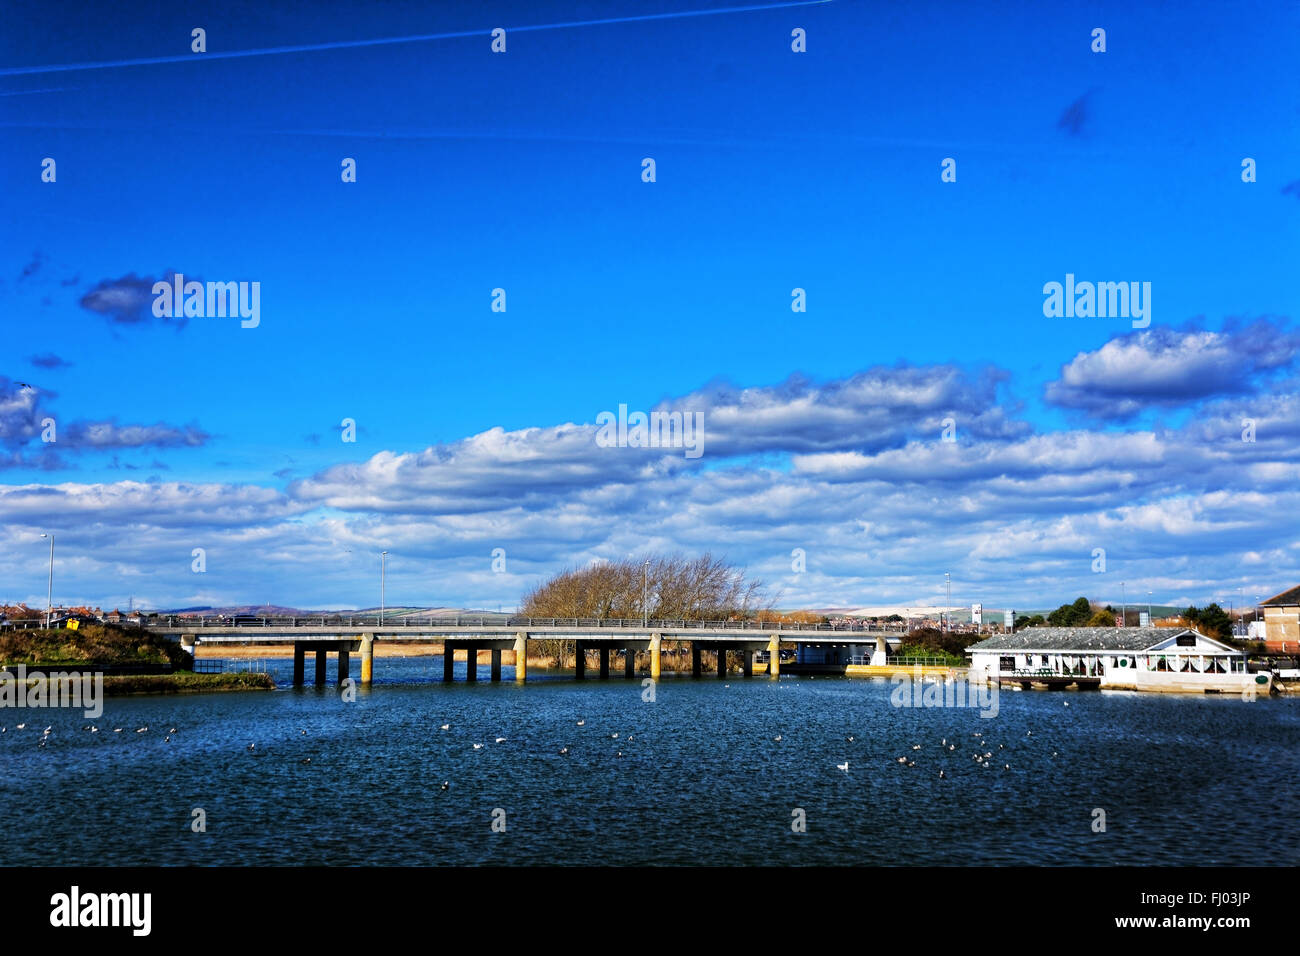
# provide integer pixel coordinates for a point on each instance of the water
(1182, 779)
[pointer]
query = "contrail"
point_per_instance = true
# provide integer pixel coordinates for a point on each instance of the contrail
(383, 41)
(52, 89)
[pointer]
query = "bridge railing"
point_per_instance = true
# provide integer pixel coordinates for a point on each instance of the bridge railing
(172, 621)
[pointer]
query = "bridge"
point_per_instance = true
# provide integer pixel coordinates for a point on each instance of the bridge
(345, 636)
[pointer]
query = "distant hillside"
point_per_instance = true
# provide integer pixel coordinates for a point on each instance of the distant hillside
(277, 610)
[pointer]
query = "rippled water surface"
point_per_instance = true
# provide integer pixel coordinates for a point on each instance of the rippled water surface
(693, 777)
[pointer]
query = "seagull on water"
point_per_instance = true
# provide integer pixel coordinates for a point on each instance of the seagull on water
(563, 751)
(478, 746)
(902, 760)
(501, 740)
(445, 727)
(581, 723)
(777, 738)
(21, 726)
(843, 766)
(140, 730)
(916, 746)
(446, 785)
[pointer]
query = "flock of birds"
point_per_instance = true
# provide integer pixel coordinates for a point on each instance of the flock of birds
(980, 757)
(48, 732)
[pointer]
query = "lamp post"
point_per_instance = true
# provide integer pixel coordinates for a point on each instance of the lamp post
(947, 612)
(644, 611)
(1123, 601)
(1150, 623)
(49, 594)
(383, 560)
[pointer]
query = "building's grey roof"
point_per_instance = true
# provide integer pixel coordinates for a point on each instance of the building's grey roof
(1079, 639)
(1285, 599)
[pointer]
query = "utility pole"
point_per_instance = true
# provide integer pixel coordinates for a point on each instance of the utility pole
(947, 612)
(49, 595)
(383, 559)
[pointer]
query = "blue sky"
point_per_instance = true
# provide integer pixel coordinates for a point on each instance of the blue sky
(775, 170)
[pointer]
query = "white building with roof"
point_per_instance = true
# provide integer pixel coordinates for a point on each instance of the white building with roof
(1115, 658)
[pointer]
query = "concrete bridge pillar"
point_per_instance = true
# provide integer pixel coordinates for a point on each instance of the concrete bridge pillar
(629, 662)
(774, 656)
(521, 656)
(298, 664)
(471, 662)
(448, 661)
(580, 660)
(320, 667)
(656, 642)
(367, 658)
(189, 643)
(747, 659)
(881, 657)
(697, 665)
(496, 665)
(722, 660)
(604, 662)
(344, 661)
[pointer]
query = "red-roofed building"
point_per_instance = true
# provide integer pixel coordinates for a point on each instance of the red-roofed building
(1282, 622)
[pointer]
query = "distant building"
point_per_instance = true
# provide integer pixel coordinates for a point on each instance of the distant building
(1282, 622)
(1116, 658)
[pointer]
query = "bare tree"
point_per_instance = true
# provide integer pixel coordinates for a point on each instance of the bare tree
(675, 587)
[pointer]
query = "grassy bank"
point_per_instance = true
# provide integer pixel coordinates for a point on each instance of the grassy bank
(93, 646)
(183, 682)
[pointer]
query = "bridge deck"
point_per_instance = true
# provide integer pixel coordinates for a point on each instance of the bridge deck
(273, 631)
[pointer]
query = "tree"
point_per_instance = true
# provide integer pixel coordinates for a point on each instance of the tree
(674, 587)
(1071, 615)
(1214, 622)
(1102, 619)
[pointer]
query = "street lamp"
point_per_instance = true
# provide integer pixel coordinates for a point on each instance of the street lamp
(1123, 602)
(49, 594)
(947, 611)
(1150, 623)
(383, 560)
(644, 610)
